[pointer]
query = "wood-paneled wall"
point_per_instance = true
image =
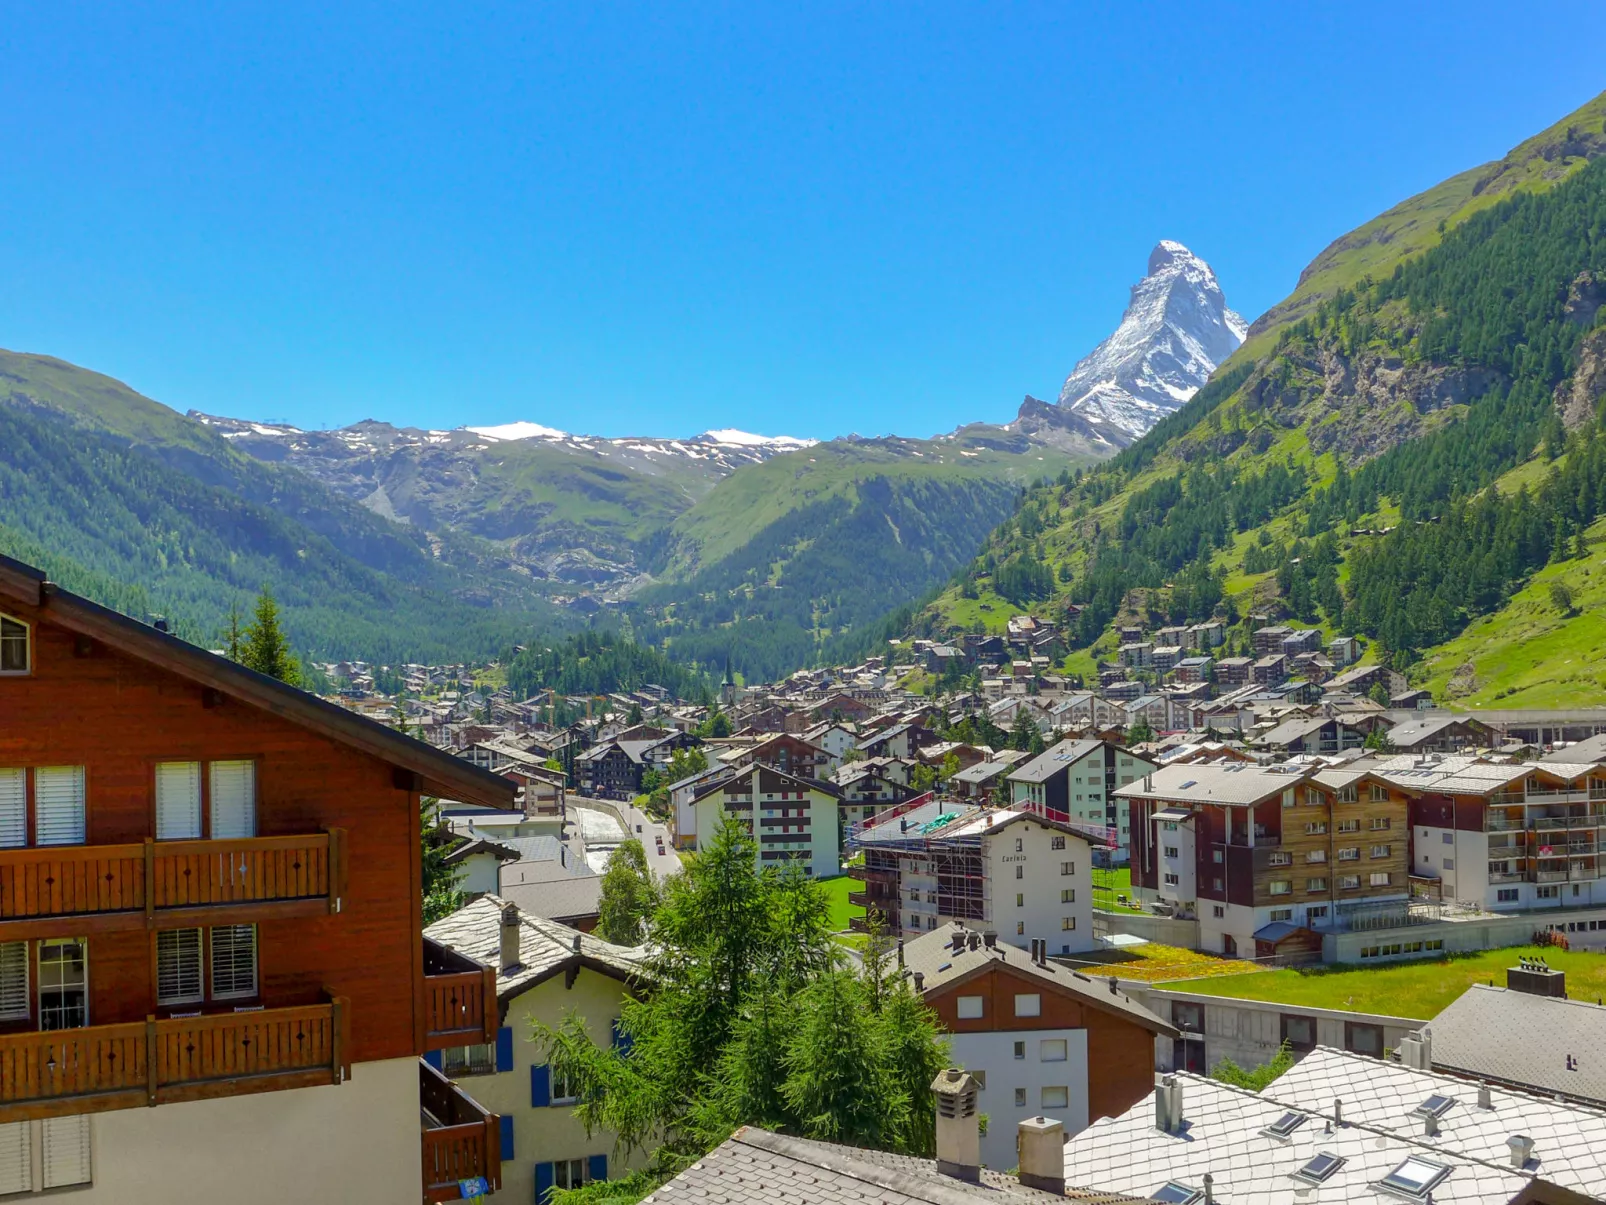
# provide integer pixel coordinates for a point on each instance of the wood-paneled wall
(118, 717)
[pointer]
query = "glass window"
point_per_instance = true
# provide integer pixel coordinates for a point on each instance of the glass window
(1360, 1038)
(1020, 1050)
(14, 652)
(1052, 1050)
(1189, 1017)
(1020, 1098)
(479, 1059)
(1056, 1097)
(569, 1173)
(178, 967)
(1028, 1004)
(1299, 1032)
(234, 799)
(970, 1008)
(234, 961)
(63, 983)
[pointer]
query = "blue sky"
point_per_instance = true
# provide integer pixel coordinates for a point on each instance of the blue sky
(801, 219)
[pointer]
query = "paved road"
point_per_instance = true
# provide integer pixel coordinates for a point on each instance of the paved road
(653, 835)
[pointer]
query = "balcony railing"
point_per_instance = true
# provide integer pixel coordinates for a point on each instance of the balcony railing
(163, 884)
(459, 999)
(151, 1062)
(461, 1140)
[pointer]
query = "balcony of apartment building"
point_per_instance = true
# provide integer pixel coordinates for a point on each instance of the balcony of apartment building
(182, 1057)
(459, 999)
(169, 884)
(461, 1140)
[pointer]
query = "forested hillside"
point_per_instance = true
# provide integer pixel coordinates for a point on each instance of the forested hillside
(115, 500)
(1452, 403)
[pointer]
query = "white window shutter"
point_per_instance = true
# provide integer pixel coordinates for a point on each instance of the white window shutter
(14, 998)
(66, 1151)
(234, 799)
(234, 961)
(178, 800)
(16, 1157)
(58, 801)
(13, 808)
(178, 966)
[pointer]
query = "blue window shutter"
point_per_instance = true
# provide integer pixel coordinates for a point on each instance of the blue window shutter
(433, 1058)
(598, 1169)
(620, 1038)
(507, 1137)
(543, 1183)
(540, 1085)
(504, 1048)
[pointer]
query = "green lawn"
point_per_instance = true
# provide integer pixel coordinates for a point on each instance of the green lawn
(1107, 884)
(1413, 989)
(842, 911)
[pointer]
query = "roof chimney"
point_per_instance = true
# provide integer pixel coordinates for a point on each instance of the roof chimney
(989, 940)
(958, 1125)
(1536, 978)
(920, 981)
(1040, 1154)
(510, 937)
(1115, 986)
(957, 941)
(1167, 1104)
(900, 951)
(1485, 1097)
(576, 943)
(1416, 1050)
(1522, 1148)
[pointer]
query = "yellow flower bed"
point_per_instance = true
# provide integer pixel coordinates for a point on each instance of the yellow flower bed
(1153, 963)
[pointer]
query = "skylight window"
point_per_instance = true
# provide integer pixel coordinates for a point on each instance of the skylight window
(1175, 1193)
(1192, 782)
(1284, 1125)
(1436, 1105)
(1415, 1178)
(1319, 1168)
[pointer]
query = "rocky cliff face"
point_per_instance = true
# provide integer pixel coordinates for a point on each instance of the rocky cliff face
(1176, 329)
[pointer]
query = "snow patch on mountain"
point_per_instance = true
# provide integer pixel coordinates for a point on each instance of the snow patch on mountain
(746, 439)
(519, 430)
(1177, 328)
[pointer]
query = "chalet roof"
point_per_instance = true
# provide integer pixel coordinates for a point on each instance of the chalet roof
(1414, 732)
(545, 946)
(1054, 760)
(481, 845)
(808, 784)
(982, 772)
(942, 967)
(437, 772)
(565, 898)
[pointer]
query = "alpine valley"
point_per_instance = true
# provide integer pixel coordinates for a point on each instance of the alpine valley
(1409, 448)
(392, 543)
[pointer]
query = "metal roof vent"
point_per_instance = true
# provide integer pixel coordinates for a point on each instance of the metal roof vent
(1522, 1148)
(958, 1125)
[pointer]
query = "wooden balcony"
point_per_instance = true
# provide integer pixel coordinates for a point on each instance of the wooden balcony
(461, 1139)
(459, 999)
(103, 1067)
(168, 884)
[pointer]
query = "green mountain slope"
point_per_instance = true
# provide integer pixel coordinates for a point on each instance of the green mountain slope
(131, 503)
(1394, 405)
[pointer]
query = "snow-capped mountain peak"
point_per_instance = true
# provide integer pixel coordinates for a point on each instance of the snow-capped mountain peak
(519, 430)
(1177, 328)
(746, 439)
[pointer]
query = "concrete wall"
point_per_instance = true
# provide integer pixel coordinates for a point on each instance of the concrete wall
(1249, 1031)
(1166, 930)
(1465, 936)
(357, 1143)
(542, 1135)
(994, 1054)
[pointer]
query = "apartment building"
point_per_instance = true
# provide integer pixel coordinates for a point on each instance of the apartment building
(1040, 1038)
(1509, 837)
(1076, 780)
(791, 818)
(544, 971)
(213, 984)
(1267, 856)
(1011, 872)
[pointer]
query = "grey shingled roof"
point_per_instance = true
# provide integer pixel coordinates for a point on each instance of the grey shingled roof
(756, 1167)
(1525, 1040)
(566, 898)
(933, 955)
(1222, 1136)
(545, 946)
(1051, 761)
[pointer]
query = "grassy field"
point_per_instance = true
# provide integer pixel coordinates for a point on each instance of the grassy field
(1415, 989)
(842, 911)
(1154, 963)
(1107, 884)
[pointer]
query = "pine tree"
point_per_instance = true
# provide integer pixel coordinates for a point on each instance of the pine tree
(233, 635)
(266, 650)
(628, 896)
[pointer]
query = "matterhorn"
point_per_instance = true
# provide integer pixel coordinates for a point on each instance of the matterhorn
(1176, 330)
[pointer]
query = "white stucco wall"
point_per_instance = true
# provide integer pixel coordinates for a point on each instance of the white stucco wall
(994, 1054)
(1030, 905)
(356, 1143)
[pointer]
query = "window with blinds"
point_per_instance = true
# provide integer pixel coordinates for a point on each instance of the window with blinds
(13, 808)
(14, 981)
(14, 646)
(178, 800)
(65, 1151)
(234, 961)
(58, 805)
(178, 967)
(63, 984)
(234, 799)
(16, 1157)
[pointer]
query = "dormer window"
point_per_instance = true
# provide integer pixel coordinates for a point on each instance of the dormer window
(16, 649)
